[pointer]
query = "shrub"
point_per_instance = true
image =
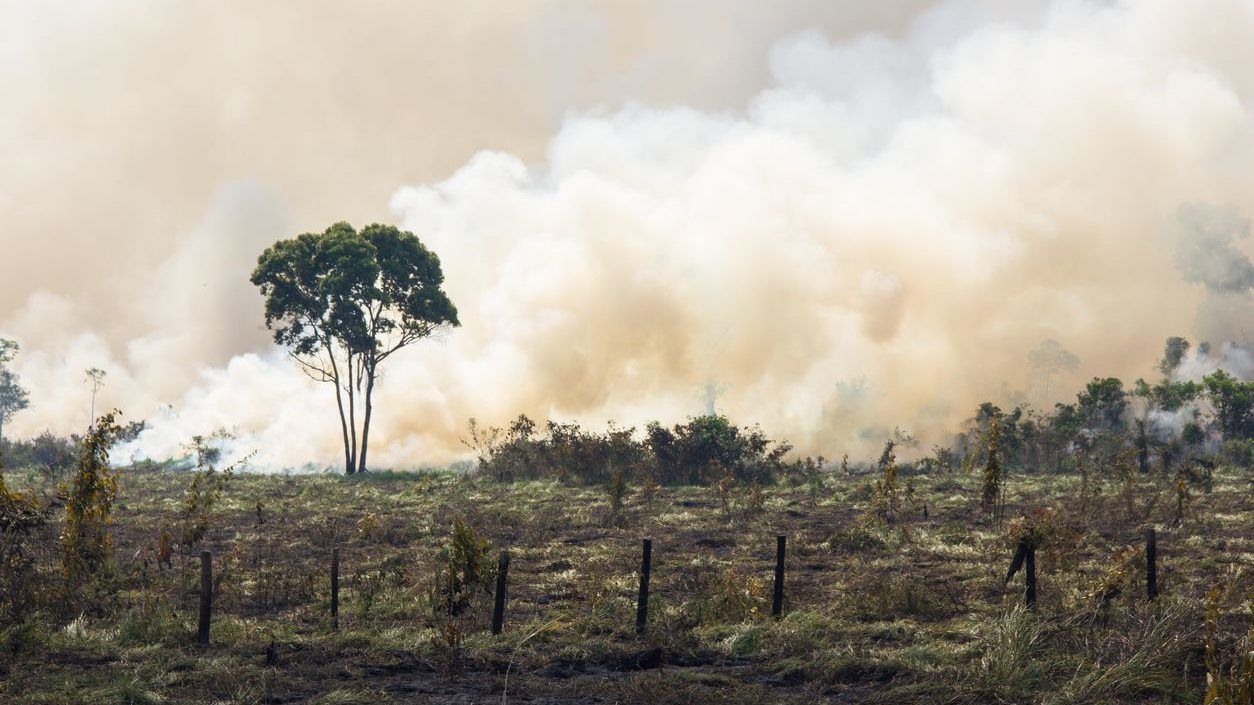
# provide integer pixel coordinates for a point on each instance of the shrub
(991, 498)
(887, 502)
(464, 574)
(682, 454)
(617, 489)
(205, 490)
(20, 515)
(85, 548)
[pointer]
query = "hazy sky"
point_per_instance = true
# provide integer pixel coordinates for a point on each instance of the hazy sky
(855, 215)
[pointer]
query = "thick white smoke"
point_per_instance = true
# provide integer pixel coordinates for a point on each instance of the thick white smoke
(878, 238)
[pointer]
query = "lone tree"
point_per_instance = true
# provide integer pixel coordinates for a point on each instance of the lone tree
(95, 379)
(342, 302)
(13, 397)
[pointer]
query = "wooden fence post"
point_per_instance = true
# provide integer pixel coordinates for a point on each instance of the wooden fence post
(498, 607)
(1151, 563)
(206, 597)
(642, 602)
(777, 601)
(335, 588)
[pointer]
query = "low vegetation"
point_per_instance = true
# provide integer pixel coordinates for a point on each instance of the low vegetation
(909, 611)
(900, 586)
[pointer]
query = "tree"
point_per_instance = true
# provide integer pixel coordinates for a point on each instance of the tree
(13, 397)
(1233, 401)
(342, 302)
(1102, 403)
(1174, 351)
(95, 379)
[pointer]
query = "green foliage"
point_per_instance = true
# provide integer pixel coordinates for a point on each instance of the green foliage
(1102, 404)
(1233, 401)
(465, 571)
(1174, 351)
(1167, 394)
(463, 580)
(85, 546)
(683, 454)
(13, 397)
(991, 480)
(887, 502)
(21, 514)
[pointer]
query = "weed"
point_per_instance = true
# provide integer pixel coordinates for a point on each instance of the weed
(464, 575)
(887, 503)
(1231, 681)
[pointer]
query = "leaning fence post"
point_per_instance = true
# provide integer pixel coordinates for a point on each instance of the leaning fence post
(1025, 557)
(206, 596)
(1151, 563)
(498, 607)
(777, 601)
(335, 588)
(642, 602)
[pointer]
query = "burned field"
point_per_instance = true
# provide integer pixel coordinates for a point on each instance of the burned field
(912, 608)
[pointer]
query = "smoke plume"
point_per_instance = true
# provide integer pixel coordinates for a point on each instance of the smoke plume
(847, 220)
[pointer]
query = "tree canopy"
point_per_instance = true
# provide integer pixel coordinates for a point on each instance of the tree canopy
(343, 301)
(13, 397)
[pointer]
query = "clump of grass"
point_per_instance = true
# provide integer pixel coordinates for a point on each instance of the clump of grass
(128, 691)
(351, 696)
(1010, 665)
(1139, 656)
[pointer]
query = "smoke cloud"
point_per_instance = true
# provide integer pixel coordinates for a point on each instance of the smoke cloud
(862, 220)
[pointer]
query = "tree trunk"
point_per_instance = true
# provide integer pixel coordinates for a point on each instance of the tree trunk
(365, 426)
(339, 404)
(352, 416)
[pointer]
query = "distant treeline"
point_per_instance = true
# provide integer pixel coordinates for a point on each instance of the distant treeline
(51, 453)
(1170, 425)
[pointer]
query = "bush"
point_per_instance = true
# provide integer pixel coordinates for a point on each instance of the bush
(681, 454)
(464, 575)
(85, 545)
(20, 516)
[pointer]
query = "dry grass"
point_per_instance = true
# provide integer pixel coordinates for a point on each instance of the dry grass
(912, 612)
